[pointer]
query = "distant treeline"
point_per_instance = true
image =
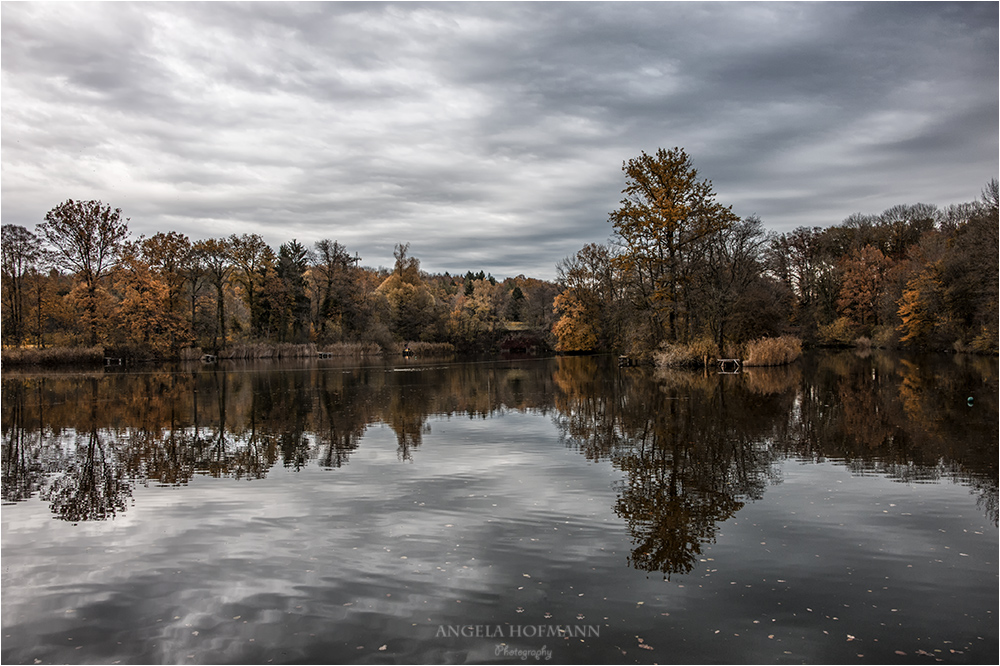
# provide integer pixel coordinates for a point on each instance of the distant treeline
(79, 281)
(680, 269)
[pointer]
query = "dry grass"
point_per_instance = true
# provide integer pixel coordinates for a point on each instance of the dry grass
(190, 354)
(52, 356)
(249, 350)
(351, 349)
(773, 351)
(672, 356)
(697, 353)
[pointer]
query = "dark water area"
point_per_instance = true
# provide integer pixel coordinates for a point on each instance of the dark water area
(841, 510)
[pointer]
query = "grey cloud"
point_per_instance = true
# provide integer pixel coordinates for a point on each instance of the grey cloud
(489, 135)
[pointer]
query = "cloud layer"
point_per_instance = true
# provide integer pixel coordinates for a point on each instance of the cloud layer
(489, 136)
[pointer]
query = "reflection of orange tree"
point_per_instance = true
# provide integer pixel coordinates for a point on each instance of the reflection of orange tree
(667, 511)
(690, 445)
(406, 406)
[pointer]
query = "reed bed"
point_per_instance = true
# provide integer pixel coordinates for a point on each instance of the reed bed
(697, 353)
(52, 355)
(190, 353)
(252, 350)
(351, 349)
(772, 351)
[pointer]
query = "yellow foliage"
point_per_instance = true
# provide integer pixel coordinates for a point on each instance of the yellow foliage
(575, 329)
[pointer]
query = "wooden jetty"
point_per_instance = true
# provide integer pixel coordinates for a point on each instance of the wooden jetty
(729, 366)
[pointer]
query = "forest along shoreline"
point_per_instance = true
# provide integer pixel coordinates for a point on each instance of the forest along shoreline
(682, 280)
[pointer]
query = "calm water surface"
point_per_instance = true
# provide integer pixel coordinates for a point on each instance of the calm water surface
(561, 510)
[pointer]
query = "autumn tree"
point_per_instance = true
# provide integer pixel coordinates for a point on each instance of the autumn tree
(169, 257)
(411, 304)
(87, 238)
(666, 209)
(588, 306)
(864, 278)
(920, 308)
(144, 314)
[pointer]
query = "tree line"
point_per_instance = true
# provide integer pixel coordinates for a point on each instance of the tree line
(683, 269)
(80, 280)
(679, 269)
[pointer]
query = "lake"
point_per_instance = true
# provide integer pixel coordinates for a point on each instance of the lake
(840, 510)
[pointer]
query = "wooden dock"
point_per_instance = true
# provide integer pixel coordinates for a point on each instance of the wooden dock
(729, 366)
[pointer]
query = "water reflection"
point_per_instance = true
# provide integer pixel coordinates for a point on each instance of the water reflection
(692, 448)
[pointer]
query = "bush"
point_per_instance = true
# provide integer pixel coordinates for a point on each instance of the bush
(839, 332)
(985, 342)
(885, 337)
(773, 351)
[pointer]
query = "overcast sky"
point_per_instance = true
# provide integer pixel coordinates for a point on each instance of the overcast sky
(489, 136)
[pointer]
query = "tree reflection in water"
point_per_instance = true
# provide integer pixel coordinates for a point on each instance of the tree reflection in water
(692, 447)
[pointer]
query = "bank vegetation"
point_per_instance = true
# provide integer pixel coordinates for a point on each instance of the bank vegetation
(682, 280)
